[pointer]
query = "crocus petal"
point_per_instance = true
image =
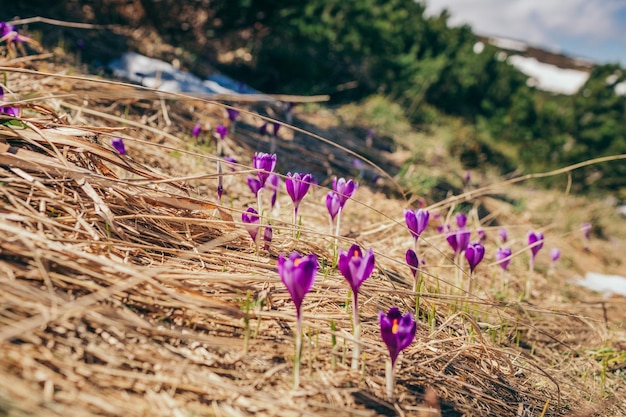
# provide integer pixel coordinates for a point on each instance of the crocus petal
(463, 237)
(555, 254)
(461, 220)
(254, 184)
(267, 237)
(411, 222)
(221, 131)
(451, 239)
(232, 114)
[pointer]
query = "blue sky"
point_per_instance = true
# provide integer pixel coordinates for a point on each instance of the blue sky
(593, 29)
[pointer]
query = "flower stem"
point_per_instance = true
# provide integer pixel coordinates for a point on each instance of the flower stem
(390, 379)
(295, 220)
(469, 283)
(337, 235)
(457, 273)
(356, 350)
(531, 270)
(296, 364)
(220, 182)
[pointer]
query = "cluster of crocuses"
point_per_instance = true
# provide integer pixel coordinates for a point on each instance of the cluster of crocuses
(297, 272)
(397, 331)
(265, 178)
(458, 239)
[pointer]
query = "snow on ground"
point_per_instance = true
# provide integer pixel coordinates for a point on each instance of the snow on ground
(550, 77)
(605, 284)
(163, 76)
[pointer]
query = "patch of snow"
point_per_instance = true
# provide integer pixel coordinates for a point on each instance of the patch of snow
(161, 75)
(605, 284)
(550, 77)
(509, 44)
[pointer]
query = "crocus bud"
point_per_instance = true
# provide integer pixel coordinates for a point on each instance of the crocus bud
(503, 257)
(118, 144)
(535, 241)
(474, 254)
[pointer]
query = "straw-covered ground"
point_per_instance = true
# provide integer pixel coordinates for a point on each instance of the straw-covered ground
(125, 289)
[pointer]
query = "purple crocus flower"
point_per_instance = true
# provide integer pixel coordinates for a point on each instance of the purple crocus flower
(297, 272)
(196, 130)
(474, 254)
(297, 186)
(416, 221)
(482, 236)
(555, 254)
(461, 220)
(6, 29)
(412, 261)
(503, 257)
(255, 185)
(118, 144)
(267, 237)
(232, 114)
(503, 235)
(344, 189)
(265, 163)
(221, 131)
(250, 219)
(458, 240)
(10, 110)
(355, 266)
(333, 204)
(276, 127)
(397, 331)
(535, 241)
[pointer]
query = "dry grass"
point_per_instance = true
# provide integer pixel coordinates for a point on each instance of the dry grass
(126, 291)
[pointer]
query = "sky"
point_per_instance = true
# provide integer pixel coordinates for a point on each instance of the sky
(591, 29)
